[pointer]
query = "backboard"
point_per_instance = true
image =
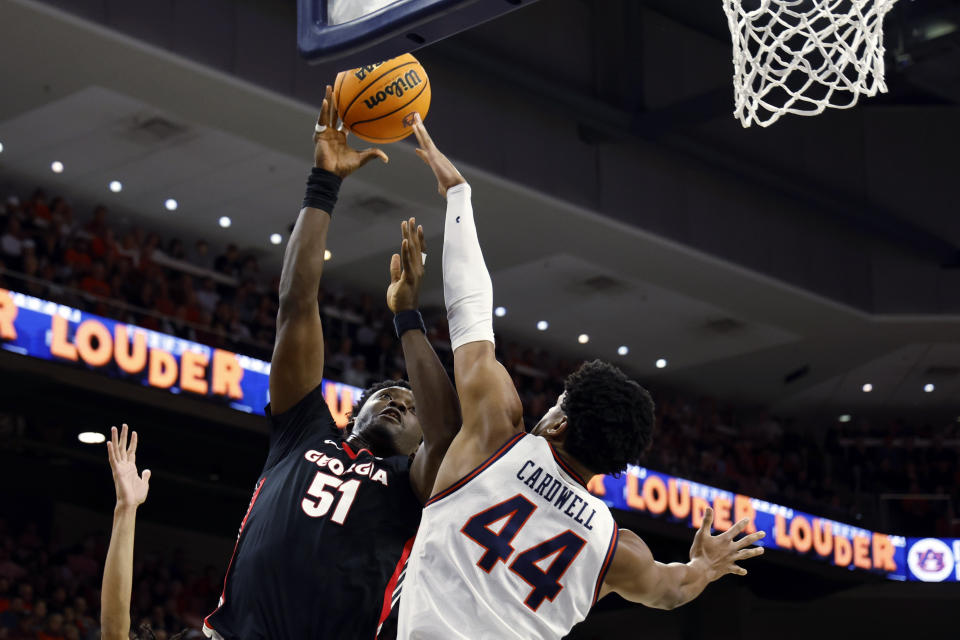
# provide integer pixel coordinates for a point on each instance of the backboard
(357, 32)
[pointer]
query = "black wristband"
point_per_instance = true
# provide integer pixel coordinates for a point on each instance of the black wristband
(322, 190)
(408, 321)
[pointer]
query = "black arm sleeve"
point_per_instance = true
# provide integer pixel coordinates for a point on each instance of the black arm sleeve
(308, 417)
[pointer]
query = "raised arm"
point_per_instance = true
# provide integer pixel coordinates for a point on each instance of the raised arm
(131, 490)
(297, 364)
(489, 402)
(636, 576)
(438, 409)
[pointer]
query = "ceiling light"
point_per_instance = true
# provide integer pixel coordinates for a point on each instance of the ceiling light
(56, 166)
(1, 147)
(928, 388)
(500, 312)
(844, 418)
(171, 204)
(326, 254)
(91, 437)
(867, 388)
(275, 238)
(661, 363)
(225, 221)
(623, 350)
(543, 325)
(115, 186)
(583, 339)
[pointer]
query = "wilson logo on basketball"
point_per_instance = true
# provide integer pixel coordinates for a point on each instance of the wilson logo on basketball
(362, 72)
(397, 88)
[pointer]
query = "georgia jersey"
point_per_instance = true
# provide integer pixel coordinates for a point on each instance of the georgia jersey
(325, 537)
(518, 548)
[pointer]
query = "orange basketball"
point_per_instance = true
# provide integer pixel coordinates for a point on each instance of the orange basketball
(377, 101)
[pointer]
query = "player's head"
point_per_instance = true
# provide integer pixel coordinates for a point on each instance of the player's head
(603, 419)
(385, 418)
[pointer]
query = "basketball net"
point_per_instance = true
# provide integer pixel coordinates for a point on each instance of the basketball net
(802, 56)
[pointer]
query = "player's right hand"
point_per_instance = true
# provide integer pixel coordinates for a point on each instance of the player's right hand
(131, 487)
(447, 174)
(718, 555)
(331, 151)
(406, 269)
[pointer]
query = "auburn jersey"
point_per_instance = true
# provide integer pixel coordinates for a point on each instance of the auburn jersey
(518, 548)
(324, 539)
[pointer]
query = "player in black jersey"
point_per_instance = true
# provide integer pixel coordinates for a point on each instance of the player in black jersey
(332, 518)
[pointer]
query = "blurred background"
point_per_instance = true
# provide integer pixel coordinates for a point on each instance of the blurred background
(790, 295)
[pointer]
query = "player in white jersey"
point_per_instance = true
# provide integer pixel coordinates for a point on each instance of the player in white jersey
(511, 544)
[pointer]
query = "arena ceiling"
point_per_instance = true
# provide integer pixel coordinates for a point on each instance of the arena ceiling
(785, 266)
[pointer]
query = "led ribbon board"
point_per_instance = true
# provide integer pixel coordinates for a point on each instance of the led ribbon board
(842, 545)
(50, 331)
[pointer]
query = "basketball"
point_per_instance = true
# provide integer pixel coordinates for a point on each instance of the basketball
(377, 101)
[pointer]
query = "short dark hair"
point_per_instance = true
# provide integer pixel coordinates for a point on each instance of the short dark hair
(609, 417)
(368, 393)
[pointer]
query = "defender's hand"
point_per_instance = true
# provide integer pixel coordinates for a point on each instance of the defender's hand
(406, 269)
(131, 487)
(447, 174)
(717, 555)
(331, 151)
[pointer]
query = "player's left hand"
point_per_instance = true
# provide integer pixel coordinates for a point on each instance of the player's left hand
(406, 269)
(718, 555)
(131, 487)
(331, 151)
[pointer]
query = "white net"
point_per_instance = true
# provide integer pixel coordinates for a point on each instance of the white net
(802, 56)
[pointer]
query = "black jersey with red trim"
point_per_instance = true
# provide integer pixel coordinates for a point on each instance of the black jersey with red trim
(318, 551)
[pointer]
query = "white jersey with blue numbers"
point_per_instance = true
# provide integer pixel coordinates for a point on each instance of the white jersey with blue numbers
(518, 548)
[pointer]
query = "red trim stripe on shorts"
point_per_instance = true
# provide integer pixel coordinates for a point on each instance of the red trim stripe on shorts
(388, 592)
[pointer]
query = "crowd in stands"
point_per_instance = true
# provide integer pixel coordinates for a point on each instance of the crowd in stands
(52, 592)
(226, 301)
(854, 472)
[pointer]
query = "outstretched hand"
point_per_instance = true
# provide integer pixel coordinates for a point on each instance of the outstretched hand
(718, 555)
(131, 487)
(406, 269)
(447, 174)
(331, 151)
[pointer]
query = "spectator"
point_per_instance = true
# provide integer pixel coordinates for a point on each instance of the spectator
(130, 249)
(356, 373)
(147, 249)
(97, 227)
(77, 257)
(37, 206)
(229, 263)
(249, 269)
(343, 357)
(11, 243)
(246, 300)
(201, 255)
(207, 296)
(175, 249)
(95, 282)
(163, 303)
(104, 246)
(50, 248)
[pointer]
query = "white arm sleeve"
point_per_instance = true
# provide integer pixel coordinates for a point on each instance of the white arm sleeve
(467, 289)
